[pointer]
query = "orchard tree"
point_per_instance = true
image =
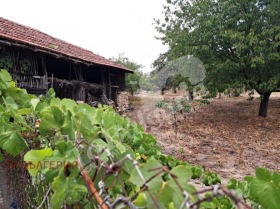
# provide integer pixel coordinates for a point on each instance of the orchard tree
(238, 42)
(185, 73)
(132, 80)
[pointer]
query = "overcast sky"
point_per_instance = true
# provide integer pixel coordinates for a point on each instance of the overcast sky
(106, 27)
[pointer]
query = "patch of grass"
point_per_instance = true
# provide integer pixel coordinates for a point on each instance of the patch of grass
(204, 102)
(183, 105)
(162, 104)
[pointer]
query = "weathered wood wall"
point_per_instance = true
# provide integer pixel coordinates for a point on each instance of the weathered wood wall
(35, 71)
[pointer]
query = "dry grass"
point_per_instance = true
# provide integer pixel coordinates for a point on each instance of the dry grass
(226, 137)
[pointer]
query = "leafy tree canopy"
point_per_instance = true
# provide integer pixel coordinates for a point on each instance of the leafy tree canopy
(132, 80)
(238, 41)
(185, 72)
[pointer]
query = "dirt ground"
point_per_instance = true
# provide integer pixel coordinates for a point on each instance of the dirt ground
(226, 136)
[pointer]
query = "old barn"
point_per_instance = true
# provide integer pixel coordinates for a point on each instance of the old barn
(38, 61)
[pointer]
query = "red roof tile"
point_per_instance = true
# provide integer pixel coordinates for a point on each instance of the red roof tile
(13, 31)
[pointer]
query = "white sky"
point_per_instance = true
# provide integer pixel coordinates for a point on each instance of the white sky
(105, 27)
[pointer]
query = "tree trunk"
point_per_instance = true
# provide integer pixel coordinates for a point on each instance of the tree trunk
(264, 104)
(190, 96)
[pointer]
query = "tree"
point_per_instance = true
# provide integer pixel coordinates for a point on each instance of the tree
(185, 72)
(238, 41)
(132, 80)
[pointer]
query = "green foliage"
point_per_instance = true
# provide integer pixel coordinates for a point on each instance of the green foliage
(203, 102)
(168, 189)
(183, 73)
(218, 202)
(183, 106)
(137, 80)
(196, 172)
(69, 189)
(237, 41)
(8, 61)
(266, 183)
(178, 105)
(146, 83)
(132, 80)
(171, 162)
(211, 178)
(74, 137)
(125, 61)
(36, 157)
(162, 104)
(263, 190)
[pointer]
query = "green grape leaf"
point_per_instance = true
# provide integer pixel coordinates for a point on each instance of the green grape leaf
(67, 150)
(66, 153)
(154, 185)
(34, 102)
(88, 129)
(232, 184)
(108, 119)
(85, 109)
(25, 111)
(113, 140)
(67, 189)
(171, 206)
(36, 157)
(151, 163)
(97, 118)
(265, 189)
(68, 126)
(68, 103)
(51, 121)
(12, 142)
(171, 193)
(10, 102)
(55, 102)
(141, 200)
(5, 79)
(51, 93)
(5, 76)
(179, 170)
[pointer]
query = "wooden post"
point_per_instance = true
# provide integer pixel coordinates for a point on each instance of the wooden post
(103, 81)
(110, 88)
(45, 72)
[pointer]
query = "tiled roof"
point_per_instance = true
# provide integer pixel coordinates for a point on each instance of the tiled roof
(15, 32)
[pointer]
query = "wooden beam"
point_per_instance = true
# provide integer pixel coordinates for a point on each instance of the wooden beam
(35, 49)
